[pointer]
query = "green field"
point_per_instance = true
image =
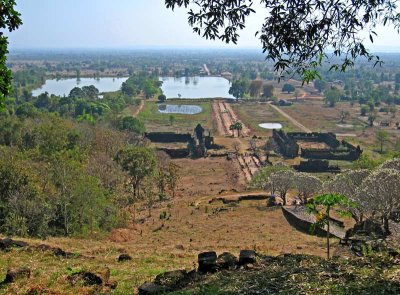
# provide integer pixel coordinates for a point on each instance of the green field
(156, 121)
(253, 114)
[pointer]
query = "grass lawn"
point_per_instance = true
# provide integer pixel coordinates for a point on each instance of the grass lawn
(253, 114)
(156, 121)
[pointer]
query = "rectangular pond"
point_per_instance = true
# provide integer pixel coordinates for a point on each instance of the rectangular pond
(64, 86)
(179, 109)
(196, 87)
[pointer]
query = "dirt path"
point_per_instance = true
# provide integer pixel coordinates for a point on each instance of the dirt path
(218, 119)
(225, 117)
(139, 109)
(291, 119)
(249, 165)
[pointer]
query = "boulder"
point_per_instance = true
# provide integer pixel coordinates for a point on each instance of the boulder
(87, 278)
(8, 243)
(15, 274)
(152, 289)
(227, 260)
(124, 257)
(247, 256)
(207, 261)
(171, 279)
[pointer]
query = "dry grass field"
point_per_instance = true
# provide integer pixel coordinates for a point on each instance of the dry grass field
(159, 245)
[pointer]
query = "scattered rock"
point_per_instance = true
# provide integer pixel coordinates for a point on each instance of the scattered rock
(43, 247)
(124, 257)
(15, 274)
(8, 243)
(227, 260)
(171, 279)
(247, 256)
(87, 278)
(179, 247)
(207, 261)
(151, 289)
(56, 251)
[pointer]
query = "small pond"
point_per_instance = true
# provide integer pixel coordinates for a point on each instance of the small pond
(64, 86)
(271, 125)
(195, 87)
(179, 109)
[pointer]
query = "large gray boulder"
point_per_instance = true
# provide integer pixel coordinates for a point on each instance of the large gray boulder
(207, 261)
(152, 289)
(227, 261)
(247, 257)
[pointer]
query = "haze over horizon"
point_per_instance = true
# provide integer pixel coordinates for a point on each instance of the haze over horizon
(131, 24)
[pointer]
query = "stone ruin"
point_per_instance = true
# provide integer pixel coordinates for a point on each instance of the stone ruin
(315, 166)
(208, 262)
(288, 145)
(198, 142)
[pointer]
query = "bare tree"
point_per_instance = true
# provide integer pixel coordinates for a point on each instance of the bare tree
(344, 115)
(349, 184)
(391, 164)
(281, 182)
(382, 194)
(307, 185)
(236, 147)
(253, 145)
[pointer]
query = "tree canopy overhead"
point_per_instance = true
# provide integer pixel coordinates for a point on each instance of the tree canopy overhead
(9, 20)
(297, 34)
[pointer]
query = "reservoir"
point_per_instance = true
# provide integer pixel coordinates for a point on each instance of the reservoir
(64, 86)
(196, 87)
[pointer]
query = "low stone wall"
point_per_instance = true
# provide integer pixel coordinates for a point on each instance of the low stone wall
(337, 150)
(176, 153)
(303, 222)
(287, 146)
(316, 166)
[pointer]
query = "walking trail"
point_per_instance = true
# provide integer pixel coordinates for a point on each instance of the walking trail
(291, 119)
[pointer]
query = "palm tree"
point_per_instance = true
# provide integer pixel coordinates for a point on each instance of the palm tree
(238, 127)
(233, 128)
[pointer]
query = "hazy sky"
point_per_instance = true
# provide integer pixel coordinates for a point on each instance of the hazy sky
(126, 24)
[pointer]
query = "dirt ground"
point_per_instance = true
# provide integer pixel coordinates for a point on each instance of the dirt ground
(208, 176)
(225, 116)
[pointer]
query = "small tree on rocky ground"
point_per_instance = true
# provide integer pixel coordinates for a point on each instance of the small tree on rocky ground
(322, 206)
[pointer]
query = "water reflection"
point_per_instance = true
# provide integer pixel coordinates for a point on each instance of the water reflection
(179, 109)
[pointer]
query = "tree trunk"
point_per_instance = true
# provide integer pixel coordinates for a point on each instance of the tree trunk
(386, 225)
(283, 197)
(328, 232)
